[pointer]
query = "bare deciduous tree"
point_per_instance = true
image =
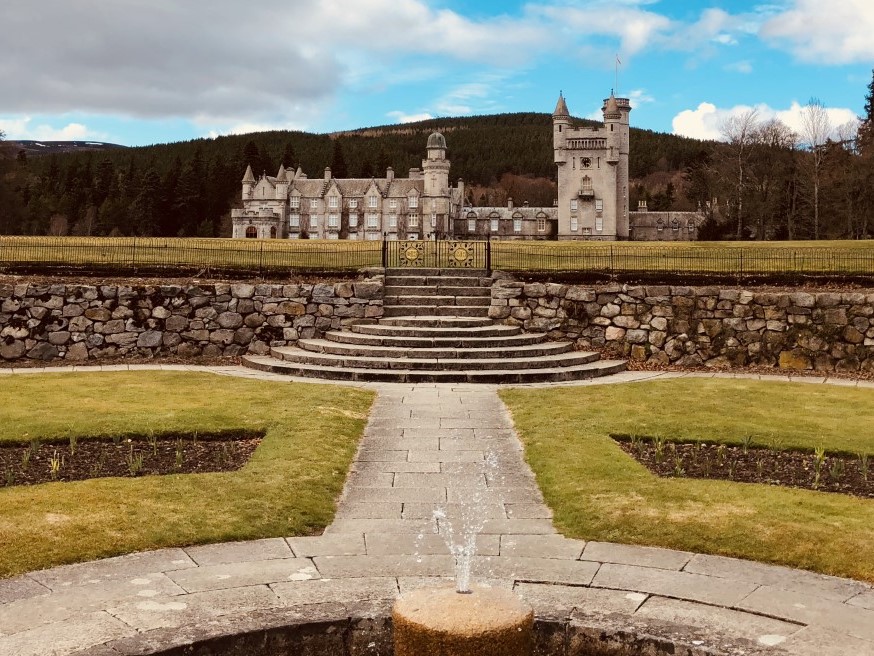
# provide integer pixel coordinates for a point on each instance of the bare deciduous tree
(815, 132)
(740, 131)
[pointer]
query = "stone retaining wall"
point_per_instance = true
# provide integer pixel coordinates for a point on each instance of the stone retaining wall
(80, 322)
(695, 326)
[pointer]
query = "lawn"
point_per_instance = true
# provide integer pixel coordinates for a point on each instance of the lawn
(599, 493)
(289, 486)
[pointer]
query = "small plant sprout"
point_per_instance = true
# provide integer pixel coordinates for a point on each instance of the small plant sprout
(180, 454)
(73, 443)
(836, 470)
(25, 458)
(863, 466)
(818, 462)
(720, 455)
(55, 464)
(679, 472)
(732, 466)
(659, 444)
(152, 439)
(9, 475)
(706, 466)
(760, 467)
(745, 443)
(134, 461)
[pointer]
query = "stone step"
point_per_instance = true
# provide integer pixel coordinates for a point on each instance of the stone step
(437, 281)
(442, 311)
(437, 273)
(432, 329)
(399, 353)
(547, 375)
(434, 321)
(437, 301)
(418, 341)
(330, 361)
(435, 290)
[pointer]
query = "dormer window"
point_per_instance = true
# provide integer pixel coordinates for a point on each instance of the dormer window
(371, 201)
(414, 201)
(353, 203)
(333, 202)
(295, 201)
(314, 204)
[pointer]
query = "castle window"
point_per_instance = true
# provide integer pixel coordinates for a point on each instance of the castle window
(413, 220)
(494, 224)
(433, 219)
(471, 225)
(333, 202)
(353, 236)
(314, 221)
(675, 225)
(517, 225)
(575, 224)
(392, 220)
(574, 205)
(599, 205)
(251, 232)
(273, 232)
(372, 236)
(314, 203)
(371, 201)
(586, 187)
(373, 220)
(294, 201)
(414, 201)
(353, 220)
(660, 225)
(393, 203)
(353, 203)
(333, 220)
(333, 235)
(294, 220)
(541, 225)
(599, 223)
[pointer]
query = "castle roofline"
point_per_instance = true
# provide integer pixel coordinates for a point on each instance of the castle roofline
(561, 107)
(249, 176)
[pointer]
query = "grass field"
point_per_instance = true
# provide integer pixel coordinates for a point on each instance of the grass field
(288, 487)
(733, 258)
(597, 492)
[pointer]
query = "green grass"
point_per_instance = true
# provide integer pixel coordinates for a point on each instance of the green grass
(599, 493)
(810, 257)
(288, 487)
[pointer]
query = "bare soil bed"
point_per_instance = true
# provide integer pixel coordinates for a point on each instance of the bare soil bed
(833, 472)
(75, 460)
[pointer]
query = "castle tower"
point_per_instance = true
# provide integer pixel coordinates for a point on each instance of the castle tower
(248, 183)
(561, 123)
(435, 170)
(282, 184)
(616, 122)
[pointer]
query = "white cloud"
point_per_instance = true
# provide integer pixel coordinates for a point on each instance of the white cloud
(639, 97)
(402, 117)
(829, 32)
(744, 67)
(705, 121)
(23, 128)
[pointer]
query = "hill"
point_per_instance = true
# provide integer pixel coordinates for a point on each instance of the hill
(188, 188)
(35, 148)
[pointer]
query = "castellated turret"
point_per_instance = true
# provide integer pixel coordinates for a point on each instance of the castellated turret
(592, 165)
(436, 197)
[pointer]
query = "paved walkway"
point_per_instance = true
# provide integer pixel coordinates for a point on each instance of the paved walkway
(426, 449)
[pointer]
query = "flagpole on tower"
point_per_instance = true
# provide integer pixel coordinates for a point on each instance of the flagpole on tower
(618, 64)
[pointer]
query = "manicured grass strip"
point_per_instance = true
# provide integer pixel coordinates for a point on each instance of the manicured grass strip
(599, 493)
(289, 486)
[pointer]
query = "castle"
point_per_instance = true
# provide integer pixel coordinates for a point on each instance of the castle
(592, 199)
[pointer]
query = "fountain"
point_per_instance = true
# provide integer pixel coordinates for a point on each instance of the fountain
(464, 620)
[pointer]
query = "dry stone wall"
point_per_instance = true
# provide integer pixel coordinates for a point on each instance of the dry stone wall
(76, 323)
(700, 326)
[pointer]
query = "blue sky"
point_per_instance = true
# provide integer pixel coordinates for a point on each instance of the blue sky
(151, 71)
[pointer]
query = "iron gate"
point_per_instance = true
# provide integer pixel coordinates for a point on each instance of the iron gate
(437, 254)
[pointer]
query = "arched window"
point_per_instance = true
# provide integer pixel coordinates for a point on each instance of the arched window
(273, 232)
(251, 232)
(675, 225)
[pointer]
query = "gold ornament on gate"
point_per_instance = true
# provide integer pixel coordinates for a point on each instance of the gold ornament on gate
(412, 253)
(461, 254)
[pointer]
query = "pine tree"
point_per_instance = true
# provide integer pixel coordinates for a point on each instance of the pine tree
(289, 159)
(338, 161)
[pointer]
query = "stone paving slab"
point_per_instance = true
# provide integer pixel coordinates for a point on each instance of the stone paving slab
(624, 554)
(114, 569)
(20, 588)
(342, 544)
(239, 575)
(541, 546)
(66, 637)
(238, 552)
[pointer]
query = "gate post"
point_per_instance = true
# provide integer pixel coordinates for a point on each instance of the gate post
(384, 253)
(489, 254)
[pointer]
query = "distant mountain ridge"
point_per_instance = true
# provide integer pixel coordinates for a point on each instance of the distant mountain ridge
(35, 147)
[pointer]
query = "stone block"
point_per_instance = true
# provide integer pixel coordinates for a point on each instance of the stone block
(613, 334)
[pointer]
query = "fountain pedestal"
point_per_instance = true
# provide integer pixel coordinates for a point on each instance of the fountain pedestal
(443, 622)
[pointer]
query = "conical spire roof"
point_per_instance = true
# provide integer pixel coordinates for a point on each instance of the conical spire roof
(249, 177)
(561, 107)
(281, 177)
(611, 107)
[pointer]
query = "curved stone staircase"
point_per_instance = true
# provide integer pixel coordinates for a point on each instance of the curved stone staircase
(435, 329)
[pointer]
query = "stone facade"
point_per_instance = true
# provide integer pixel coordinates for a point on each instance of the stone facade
(592, 173)
(700, 326)
(664, 226)
(77, 323)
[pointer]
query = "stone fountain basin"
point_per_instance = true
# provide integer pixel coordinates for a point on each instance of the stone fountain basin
(365, 629)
